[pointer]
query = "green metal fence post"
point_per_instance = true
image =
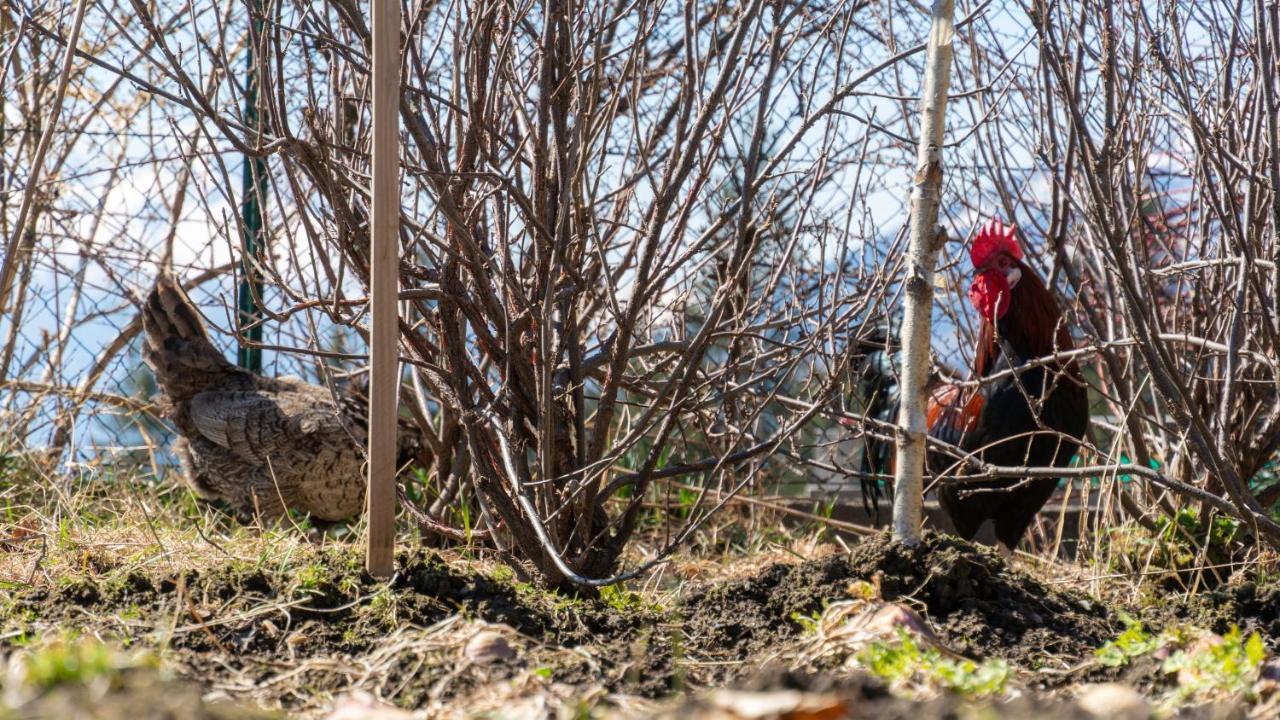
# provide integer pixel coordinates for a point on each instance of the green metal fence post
(254, 192)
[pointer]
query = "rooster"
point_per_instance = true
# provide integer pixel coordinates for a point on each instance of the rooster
(261, 444)
(1035, 417)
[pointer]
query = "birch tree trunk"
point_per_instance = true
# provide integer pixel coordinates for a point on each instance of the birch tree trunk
(922, 254)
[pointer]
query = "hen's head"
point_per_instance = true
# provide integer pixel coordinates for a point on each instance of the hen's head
(997, 264)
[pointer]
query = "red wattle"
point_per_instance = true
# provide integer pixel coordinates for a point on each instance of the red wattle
(990, 295)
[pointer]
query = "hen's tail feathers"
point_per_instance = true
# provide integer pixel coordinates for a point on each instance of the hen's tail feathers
(177, 346)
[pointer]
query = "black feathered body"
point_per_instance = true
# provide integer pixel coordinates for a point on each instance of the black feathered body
(1034, 418)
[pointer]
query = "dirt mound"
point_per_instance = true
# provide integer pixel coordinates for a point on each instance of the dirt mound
(323, 622)
(1254, 608)
(978, 605)
(749, 615)
(1242, 603)
(983, 608)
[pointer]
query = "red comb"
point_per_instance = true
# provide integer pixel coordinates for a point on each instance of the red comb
(992, 238)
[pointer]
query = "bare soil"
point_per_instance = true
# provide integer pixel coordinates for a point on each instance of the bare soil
(976, 603)
(296, 639)
(1243, 602)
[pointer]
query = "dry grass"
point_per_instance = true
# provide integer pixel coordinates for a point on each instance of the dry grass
(105, 527)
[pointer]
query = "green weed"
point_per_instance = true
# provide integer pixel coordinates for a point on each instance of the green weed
(808, 623)
(502, 574)
(1223, 667)
(623, 600)
(310, 576)
(1134, 642)
(905, 661)
(71, 659)
(1227, 668)
(384, 608)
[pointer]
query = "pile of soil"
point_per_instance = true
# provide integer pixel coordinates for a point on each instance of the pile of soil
(1253, 608)
(299, 631)
(976, 603)
(1240, 603)
(238, 620)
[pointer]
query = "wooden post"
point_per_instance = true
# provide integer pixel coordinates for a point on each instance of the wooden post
(922, 255)
(384, 339)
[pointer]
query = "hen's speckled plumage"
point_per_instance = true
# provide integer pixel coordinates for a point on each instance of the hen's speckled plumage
(261, 444)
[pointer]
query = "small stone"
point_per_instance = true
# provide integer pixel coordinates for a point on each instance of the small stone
(1114, 702)
(792, 704)
(487, 647)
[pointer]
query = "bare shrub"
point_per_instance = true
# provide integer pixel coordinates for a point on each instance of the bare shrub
(640, 241)
(1148, 137)
(620, 226)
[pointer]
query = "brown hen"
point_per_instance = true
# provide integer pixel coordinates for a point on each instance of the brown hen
(261, 444)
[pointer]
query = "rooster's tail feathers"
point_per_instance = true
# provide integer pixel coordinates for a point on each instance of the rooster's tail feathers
(878, 366)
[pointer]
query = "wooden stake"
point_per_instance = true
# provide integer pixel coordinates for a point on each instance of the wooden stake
(922, 255)
(384, 341)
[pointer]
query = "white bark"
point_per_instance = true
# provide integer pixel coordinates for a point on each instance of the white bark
(921, 258)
